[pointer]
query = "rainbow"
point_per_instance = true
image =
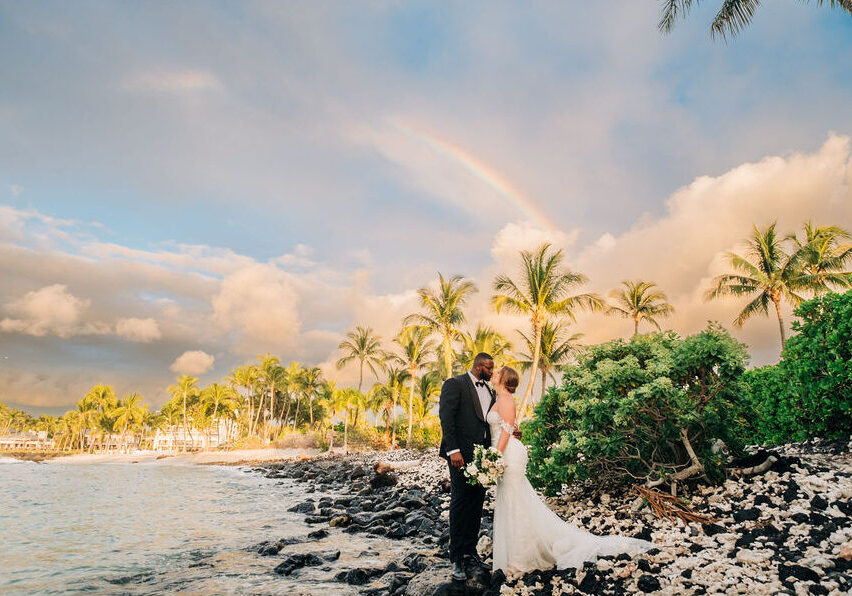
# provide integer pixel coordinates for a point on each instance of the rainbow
(480, 170)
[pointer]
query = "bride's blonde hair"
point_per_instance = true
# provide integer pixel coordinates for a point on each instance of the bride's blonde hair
(509, 377)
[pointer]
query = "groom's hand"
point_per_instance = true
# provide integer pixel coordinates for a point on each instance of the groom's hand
(456, 459)
(517, 434)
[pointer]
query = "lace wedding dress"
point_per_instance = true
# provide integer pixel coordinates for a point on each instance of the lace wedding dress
(527, 534)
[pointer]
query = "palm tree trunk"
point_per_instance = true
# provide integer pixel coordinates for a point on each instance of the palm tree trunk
(410, 410)
(345, 433)
(448, 364)
(777, 301)
(296, 415)
(272, 402)
(533, 371)
(635, 325)
(185, 429)
(311, 406)
(255, 427)
(393, 415)
(543, 383)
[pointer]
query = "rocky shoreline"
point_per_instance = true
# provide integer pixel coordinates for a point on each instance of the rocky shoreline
(785, 531)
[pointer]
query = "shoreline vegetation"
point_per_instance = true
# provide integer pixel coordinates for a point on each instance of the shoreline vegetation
(269, 404)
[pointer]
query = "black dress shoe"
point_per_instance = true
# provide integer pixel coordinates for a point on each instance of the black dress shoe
(472, 564)
(459, 574)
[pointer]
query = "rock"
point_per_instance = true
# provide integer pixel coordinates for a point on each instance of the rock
(294, 562)
(436, 582)
(747, 515)
(819, 503)
(306, 507)
(318, 534)
(341, 521)
(444, 485)
(383, 480)
(358, 576)
(753, 557)
(648, 583)
(846, 552)
(713, 529)
(798, 572)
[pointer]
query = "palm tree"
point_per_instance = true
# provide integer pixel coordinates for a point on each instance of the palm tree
(766, 270)
(414, 345)
(443, 313)
(185, 390)
(380, 401)
(428, 391)
(344, 401)
(271, 374)
(395, 381)
(365, 347)
(129, 413)
(218, 396)
(639, 300)
(556, 346)
(246, 377)
(822, 257)
(311, 384)
(485, 339)
(544, 292)
(733, 16)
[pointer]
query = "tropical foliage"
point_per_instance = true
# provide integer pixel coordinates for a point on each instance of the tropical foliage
(770, 273)
(646, 410)
(614, 402)
(732, 17)
(808, 393)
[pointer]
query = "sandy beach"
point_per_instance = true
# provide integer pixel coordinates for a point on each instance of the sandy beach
(236, 457)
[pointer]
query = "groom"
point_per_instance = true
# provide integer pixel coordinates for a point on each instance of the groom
(465, 401)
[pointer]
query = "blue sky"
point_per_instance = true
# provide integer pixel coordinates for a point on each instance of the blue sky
(155, 158)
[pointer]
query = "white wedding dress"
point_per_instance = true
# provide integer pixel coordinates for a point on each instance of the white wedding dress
(527, 534)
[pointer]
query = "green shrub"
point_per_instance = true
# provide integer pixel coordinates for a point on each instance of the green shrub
(618, 416)
(301, 439)
(808, 393)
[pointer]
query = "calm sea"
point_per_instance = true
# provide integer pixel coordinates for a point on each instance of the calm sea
(154, 528)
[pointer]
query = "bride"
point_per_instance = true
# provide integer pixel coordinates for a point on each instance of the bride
(527, 534)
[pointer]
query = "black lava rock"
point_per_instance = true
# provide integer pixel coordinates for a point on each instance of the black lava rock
(747, 515)
(819, 503)
(648, 583)
(797, 571)
(318, 534)
(713, 529)
(306, 507)
(294, 562)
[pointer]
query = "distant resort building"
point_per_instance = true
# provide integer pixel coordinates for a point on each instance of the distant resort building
(174, 438)
(26, 441)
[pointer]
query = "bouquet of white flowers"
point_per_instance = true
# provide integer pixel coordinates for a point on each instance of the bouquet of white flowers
(486, 467)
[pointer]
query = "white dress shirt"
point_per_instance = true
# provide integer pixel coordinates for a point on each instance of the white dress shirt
(484, 399)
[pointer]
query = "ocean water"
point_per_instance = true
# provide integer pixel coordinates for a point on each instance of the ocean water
(158, 528)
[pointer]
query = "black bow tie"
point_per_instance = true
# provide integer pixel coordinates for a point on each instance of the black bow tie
(481, 384)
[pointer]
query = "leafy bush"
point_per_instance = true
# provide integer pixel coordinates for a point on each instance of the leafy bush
(808, 393)
(631, 410)
(423, 436)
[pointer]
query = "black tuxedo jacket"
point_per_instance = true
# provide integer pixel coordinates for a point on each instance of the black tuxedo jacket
(462, 420)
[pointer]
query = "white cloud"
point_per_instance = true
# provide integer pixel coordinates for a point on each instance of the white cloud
(193, 362)
(52, 310)
(259, 305)
(141, 330)
(16, 190)
(682, 249)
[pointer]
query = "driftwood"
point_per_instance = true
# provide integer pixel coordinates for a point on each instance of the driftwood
(758, 469)
(695, 468)
(671, 508)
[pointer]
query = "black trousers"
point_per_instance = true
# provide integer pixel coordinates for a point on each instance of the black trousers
(465, 514)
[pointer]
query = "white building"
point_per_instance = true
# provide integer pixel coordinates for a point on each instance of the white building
(174, 438)
(26, 441)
